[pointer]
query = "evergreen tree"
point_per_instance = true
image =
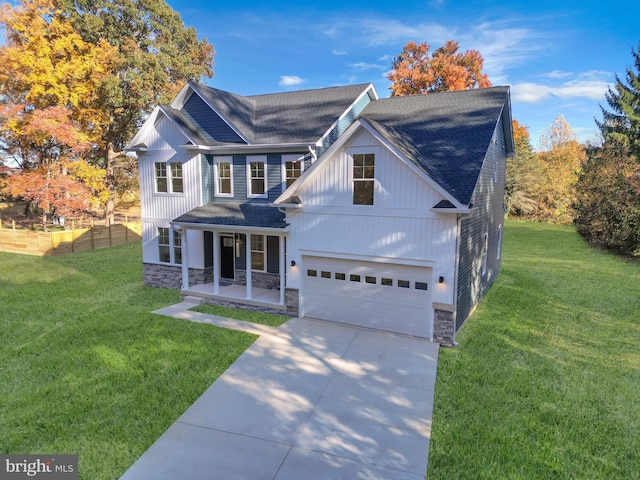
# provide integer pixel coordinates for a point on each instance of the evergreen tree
(524, 175)
(622, 123)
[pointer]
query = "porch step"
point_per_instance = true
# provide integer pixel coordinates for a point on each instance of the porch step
(192, 299)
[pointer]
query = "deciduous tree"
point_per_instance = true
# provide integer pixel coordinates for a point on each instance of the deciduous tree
(157, 55)
(608, 199)
(417, 71)
(562, 157)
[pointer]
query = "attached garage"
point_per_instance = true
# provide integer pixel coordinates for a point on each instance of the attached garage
(382, 296)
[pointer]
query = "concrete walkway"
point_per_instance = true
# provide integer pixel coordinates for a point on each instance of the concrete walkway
(308, 400)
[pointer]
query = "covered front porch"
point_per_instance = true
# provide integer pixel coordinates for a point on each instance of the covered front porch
(237, 294)
(244, 251)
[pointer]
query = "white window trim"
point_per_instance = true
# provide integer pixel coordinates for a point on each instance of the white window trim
(217, 161)
(364, 150)
(171, 245)
(169, 179)
(257, 159)
(264, 252)
(290, 158)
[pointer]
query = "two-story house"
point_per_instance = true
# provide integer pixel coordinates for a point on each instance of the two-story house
(331, 203)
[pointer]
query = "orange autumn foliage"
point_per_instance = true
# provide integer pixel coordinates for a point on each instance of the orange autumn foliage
(417, 71)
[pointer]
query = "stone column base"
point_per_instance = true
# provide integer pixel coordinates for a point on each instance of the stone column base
(443, 324)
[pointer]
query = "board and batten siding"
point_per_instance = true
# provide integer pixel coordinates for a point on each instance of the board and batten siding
(400, 227)
(158, 209)
(487, 219)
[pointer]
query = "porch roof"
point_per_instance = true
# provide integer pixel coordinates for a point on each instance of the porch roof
(255, 215)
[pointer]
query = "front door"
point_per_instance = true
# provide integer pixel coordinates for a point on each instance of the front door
(227, 257)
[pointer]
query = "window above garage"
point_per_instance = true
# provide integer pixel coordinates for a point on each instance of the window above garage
(363, 178)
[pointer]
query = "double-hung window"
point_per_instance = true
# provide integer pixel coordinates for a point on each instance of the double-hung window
(257, 177)
(164, 247)
(224, 177)
(168, 177)
(177, 247)
(169, 242)
(258, 253)
(363, 178)
(292, 168)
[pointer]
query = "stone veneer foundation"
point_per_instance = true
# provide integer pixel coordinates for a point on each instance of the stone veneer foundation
(169, 276)
(443, 324)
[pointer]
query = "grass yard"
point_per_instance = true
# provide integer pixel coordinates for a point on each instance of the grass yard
(87, 369)
(247, 315)
(545, 383)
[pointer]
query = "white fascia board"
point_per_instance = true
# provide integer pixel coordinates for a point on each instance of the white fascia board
(230, 228)
(143, 132)
(366, 91)
(224, 119)
(417, 170)
(182, 97)
(148, 124)
(308, 173)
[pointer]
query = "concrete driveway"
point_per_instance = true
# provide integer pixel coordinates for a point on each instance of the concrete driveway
(310, 400)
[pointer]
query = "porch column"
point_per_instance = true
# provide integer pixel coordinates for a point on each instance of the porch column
(216, 262)
(185, 257)
(248, 279)
(283, 268)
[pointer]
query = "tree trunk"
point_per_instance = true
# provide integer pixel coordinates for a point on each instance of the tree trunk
(109, 211)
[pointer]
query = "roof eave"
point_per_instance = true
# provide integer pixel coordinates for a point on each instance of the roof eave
(243, 148)
(226, 227)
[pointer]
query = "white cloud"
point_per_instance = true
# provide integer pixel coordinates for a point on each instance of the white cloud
(338, 52)
(290, 80)
(557, 74)
(592, 85)
(363, 66)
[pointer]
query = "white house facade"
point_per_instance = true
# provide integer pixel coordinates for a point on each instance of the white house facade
(330, 204)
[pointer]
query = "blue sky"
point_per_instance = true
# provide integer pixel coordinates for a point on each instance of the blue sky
(558, 56)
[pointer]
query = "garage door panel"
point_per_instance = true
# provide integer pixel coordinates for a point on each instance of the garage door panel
(368, 302)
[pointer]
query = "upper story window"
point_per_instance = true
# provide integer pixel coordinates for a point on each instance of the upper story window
(292, 168)
(363, 178)
(257, 177)
(168, 177)
(224, 177)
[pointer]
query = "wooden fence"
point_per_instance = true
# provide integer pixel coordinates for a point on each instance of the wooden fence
(69, 241)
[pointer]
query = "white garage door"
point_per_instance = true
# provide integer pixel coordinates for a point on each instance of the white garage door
(393, 298)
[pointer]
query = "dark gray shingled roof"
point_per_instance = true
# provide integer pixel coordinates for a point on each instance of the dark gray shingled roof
(302, 116)
(235, 214)
(446, 134)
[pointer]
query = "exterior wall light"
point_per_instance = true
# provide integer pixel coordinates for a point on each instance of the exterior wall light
(440, 279)
(293, 263)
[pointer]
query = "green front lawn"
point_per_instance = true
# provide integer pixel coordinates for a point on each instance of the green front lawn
(87, 369)
(269, 319)
(545, 382)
